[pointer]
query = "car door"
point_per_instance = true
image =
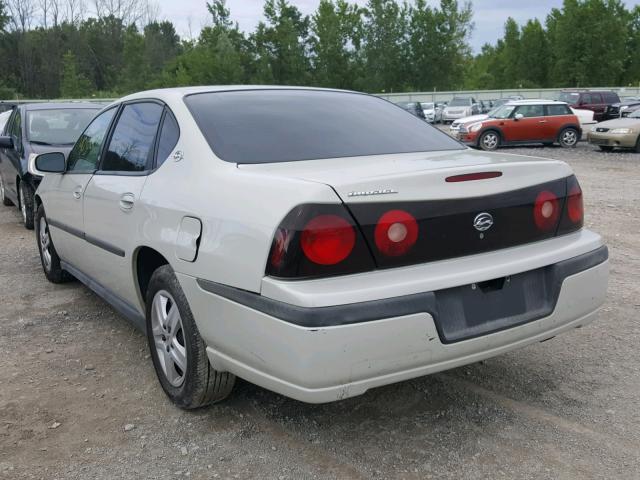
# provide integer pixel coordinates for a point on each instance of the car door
(557, 115)
(10, 162)
(529, 127)
(63, 194)
(111, 215)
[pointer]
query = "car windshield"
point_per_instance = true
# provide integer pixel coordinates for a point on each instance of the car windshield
(59, 126)
(504, 111)
(635, 114)
(460, 102)
(267, 126)
(569, 97)
(427, 106)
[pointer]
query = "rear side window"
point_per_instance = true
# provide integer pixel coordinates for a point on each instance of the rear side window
(610, 97)
(86, 152)
(267, 126)
(133, 139)
(169, 135)
(554, 110)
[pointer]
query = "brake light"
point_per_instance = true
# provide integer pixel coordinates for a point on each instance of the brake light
(327, 239)
(575, 207)
(469, 177)
(396, 232)
(546, 210)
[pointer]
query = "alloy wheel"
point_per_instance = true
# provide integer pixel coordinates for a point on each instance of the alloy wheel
(569, 137)
(45, 244)
(168, 336)
(490, 141)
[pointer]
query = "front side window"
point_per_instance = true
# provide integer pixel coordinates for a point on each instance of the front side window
(57, 127)
(502, 112)
(133, 139)
(267, 126)
(16, 129)
(531, 111)
(86, 153)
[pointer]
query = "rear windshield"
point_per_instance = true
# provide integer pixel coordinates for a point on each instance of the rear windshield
(58, 127)
(268, 126)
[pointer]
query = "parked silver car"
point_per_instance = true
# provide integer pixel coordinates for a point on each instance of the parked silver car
(460, 107)
(432, 112)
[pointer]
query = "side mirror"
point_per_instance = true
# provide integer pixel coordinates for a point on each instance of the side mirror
(51, 162)
(6, 142)
(518, 116)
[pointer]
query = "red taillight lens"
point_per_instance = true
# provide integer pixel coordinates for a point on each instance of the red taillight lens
(327, 239)
(396, 232)
(546, 210)
(279, 247)
(575, 207)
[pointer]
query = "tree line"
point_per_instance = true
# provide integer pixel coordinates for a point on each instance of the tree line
(107, 48)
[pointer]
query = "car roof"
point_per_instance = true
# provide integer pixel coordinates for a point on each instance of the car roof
(178, 92)
(535, 101)
(60, 106)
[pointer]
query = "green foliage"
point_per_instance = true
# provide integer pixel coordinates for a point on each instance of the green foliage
(385, 45)
(73, 84)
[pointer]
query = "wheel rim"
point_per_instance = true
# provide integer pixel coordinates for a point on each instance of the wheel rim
(490, 140)
(45, 244)
(168, 338)
(23, 207)
(569, 137)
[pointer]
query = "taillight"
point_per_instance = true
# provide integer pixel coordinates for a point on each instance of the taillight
(396, 232)
(318, 240)
(327, 239)
(546, 210)
(575, 208)
(573, 216)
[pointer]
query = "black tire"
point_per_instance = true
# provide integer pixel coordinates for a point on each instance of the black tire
(638, 145)
(201, 384)
(52, 269)
(3, 197)
(489, 140)
(568, 137)
(26, 194)
(606, 148)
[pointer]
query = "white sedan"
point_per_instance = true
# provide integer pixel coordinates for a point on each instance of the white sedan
(318, 243)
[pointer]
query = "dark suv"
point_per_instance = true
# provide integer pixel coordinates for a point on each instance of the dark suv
(597, 101)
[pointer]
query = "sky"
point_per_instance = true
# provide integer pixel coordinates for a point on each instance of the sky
(190, 16)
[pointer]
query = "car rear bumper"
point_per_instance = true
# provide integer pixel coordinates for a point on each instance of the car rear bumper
(606, 139)
(320, 357)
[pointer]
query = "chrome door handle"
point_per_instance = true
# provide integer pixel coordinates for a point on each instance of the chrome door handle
(77, 193)
(542, 121)
(127, 200)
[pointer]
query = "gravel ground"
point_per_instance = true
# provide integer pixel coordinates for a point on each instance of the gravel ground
(79, 398)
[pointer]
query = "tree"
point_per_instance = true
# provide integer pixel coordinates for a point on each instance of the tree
(533, 63)
(336, 35)
(385, 46)
(588, 40)
(280, 45)
(73, 84)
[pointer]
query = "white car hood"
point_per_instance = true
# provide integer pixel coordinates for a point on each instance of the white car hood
(472, 118)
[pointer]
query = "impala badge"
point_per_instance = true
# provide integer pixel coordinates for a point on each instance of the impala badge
(386, 191)
(483, 222)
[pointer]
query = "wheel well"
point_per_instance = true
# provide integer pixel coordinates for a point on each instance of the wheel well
(148, 261)
(38, 201)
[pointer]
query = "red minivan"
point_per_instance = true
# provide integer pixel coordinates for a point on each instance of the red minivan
(524, 122)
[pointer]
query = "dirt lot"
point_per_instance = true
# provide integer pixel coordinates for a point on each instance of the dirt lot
(74, 374)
